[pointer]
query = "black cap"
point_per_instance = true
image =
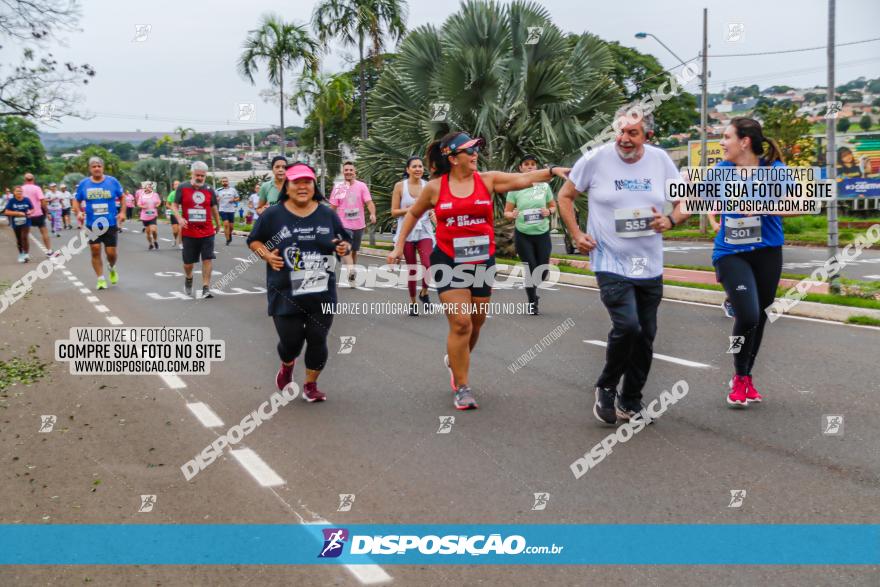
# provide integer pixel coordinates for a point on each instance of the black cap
(529, 157)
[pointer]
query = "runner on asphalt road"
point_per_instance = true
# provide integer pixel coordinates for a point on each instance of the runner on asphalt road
(34, 193)
(297, 239)
(748, 263)
(532, 208)
(421, 239)
(227, 198)
(169, 212)
(96, 197)
(148, 201)
(461, 198)
(17, 209)
(625, 183)
(195, 205)
(348, 199)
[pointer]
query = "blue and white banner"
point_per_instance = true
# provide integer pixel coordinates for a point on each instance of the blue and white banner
(524, 544)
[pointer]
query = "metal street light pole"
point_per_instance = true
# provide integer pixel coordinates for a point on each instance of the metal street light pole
(704, 106)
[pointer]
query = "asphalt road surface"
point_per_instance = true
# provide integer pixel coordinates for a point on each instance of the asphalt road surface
(120, 437)
(801, 260)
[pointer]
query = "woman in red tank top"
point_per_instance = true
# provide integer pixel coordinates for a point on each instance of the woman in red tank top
(463, 262)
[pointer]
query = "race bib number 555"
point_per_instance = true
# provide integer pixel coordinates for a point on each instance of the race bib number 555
(633, 222)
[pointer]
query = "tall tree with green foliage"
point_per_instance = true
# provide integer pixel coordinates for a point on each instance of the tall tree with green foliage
(359, 23)
(325, 96)
(20, 150)
(865, 122)
(782, 123)
(843, 124)
(638, 74)
(80, 163)
(281, 46)
(340, 129)
(549, 97)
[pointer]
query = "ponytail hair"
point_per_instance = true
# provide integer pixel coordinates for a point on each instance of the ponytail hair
(751, 128)
(437, 161)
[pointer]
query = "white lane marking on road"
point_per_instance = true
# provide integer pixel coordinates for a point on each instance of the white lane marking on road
(85, 290)
(114, 320)
(257, 467)
(66, 272)
(676, 360)
(167, 240)
(102, 309)
(205, 414)
(172, 380)
(78, 283)
(366, 574)
(93, 299)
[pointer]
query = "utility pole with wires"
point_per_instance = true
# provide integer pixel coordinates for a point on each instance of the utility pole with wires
(834, 279)
(704, 104)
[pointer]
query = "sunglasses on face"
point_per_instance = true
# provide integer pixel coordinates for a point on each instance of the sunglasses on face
(469, 150)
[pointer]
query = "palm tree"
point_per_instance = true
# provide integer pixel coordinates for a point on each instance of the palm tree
(282, 46)
(184, 132)
(546, 98)
(327, 96)
(358, 22)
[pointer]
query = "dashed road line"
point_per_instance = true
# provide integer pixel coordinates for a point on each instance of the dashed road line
(667, 358)
(257, 467)
(205, 414)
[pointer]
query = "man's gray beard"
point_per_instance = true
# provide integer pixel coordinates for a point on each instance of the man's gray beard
(632, 156)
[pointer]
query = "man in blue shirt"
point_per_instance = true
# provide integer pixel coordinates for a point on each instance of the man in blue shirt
(99, 193)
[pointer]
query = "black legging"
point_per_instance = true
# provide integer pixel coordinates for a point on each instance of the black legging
(309, 329)
(750, 280)
(21, 238)
(535, 250)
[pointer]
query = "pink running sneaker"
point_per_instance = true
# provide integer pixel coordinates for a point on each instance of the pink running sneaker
(284, 376)
(311, 393)
(737, 396)
(752, 395)
(451, 375)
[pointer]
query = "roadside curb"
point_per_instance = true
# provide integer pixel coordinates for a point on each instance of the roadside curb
(691, 294)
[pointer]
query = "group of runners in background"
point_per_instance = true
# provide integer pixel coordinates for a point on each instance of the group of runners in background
(445, 212)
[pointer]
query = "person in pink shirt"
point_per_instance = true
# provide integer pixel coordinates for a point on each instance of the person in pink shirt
(129, 204)
(34, 193)
(148, 201)
(348, 199)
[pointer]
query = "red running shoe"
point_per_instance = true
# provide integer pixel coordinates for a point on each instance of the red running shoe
(752, 395)
(311, 393)
(284, 376)
(737, 396)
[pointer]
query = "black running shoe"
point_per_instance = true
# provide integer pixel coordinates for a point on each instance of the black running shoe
(188, 286)
(206, 292)
(603, 409)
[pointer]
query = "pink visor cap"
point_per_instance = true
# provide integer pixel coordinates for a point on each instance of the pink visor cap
(299, 171)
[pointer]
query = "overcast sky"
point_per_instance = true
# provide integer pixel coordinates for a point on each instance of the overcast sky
(184, 72)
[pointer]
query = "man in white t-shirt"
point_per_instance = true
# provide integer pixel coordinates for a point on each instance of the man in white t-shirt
(625, 182)
(65, 205)
(227, 200)
(253, 205)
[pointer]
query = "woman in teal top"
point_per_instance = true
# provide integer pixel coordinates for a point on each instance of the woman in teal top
(531, 208)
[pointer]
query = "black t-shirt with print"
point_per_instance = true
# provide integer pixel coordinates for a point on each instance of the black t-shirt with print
(307, 279)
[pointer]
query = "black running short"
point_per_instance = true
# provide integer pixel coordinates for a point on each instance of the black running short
(197, 249)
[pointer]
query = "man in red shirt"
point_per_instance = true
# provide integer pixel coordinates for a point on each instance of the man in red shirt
(195, 206)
